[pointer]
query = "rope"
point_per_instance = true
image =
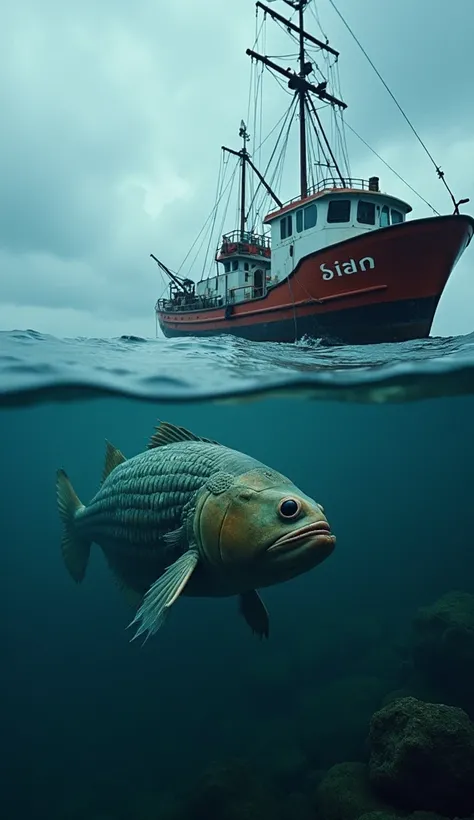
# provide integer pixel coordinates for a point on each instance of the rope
(391, 169)
(439, 172)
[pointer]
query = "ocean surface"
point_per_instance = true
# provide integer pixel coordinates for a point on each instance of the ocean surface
(205, 720)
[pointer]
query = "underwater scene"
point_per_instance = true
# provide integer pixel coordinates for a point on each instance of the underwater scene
(343, 688)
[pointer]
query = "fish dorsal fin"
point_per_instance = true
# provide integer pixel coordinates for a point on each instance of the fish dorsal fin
(113, 458)
(167, 433)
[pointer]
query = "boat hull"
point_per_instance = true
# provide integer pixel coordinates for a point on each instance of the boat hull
(382, 286)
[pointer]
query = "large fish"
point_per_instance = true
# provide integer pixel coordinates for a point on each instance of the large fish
(190, 516)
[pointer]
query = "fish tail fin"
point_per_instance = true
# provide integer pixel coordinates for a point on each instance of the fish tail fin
(75, 550)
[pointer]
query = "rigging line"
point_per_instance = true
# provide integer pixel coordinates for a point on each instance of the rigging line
(229, 183)
(316, 131)
(283, 56)
(223, 162)
(342, 134)
(313, 158)
(338, 141)
(342, 148)
(346, 151)
(260, 124)
(285, 114)
(251, 81)
(231, 188)
(285, 117)
(392, 169)
(281, 161)
(257, 98)
(273, 181)
(213, 224)
(437, 167)
(314, 11)
(328, 145)
(288, 32)
(262, 80)
(258, 31)
(281, 84)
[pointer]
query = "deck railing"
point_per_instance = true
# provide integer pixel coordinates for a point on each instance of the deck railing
(248, 238)
(192, 303)
(184, 304)
(244, 242)
(333, 183)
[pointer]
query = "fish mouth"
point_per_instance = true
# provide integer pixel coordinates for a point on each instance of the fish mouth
(319, 533)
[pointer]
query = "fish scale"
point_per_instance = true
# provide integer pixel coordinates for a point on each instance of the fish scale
(144, 497)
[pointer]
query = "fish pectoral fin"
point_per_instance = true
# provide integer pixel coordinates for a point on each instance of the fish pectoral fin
(113, 457)
(255, 613)
(163, 593)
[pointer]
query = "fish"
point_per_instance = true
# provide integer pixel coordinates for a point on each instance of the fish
(190, 516)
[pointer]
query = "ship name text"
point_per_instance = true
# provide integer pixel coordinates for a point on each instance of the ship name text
(346, 268)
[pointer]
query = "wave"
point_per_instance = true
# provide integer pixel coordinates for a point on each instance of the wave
(36, 367)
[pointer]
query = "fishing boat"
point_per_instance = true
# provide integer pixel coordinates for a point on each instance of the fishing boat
(342, 261)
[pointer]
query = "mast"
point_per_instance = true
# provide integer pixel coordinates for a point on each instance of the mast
(298, 83)
(243, 159)
(302, 104)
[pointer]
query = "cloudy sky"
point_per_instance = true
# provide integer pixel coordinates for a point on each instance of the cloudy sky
(113, 114)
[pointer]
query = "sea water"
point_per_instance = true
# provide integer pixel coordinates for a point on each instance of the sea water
(94, 726)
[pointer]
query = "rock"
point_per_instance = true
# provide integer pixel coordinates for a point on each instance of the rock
(443, 650)
(424, 692)
(345, 794)
(422, 757)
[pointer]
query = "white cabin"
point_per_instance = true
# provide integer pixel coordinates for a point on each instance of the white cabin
(327, 216)
(245, 258)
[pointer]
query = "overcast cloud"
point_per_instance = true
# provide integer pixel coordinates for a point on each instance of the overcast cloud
(113, 115)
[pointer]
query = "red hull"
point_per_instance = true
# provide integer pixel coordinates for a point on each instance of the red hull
(395, 300)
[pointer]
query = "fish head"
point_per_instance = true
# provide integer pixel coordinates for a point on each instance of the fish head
(263, 525)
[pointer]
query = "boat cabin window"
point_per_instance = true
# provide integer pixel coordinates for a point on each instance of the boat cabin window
(339, 210)
(235, 264)
(366, 212)
(286, 228)
(227, 267)
(306, 217)
(310, 216)
(384, 217)
(397, 217)
(246, 265)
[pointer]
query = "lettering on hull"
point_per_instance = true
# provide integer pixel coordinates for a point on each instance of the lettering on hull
(346, 268)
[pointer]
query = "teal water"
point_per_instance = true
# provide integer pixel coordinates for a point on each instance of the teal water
(97, 727)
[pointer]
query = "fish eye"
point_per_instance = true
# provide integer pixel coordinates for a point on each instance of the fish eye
(289, 508)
